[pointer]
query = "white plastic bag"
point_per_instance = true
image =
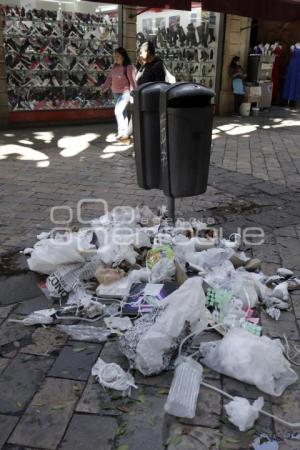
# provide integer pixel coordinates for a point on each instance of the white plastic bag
(185, 305)
(163, 270)
(242, 414)
(47, 254)
(112, 376)
(41, 317)
(250, 358)
(115, 254)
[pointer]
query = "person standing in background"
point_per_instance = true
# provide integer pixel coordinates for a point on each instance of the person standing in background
(150, 67)
(121, 80)
(237, 76)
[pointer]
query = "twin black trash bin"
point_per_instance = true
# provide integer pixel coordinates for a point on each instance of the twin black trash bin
(172, 137)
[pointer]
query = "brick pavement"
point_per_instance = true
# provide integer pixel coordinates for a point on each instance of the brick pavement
(46, 402)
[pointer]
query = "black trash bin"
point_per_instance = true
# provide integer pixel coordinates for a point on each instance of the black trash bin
(186, 116)
(146, 133)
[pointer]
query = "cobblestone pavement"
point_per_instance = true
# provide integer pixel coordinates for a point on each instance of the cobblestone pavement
(48, 399)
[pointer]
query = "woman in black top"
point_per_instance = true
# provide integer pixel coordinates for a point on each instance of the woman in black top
(150, 66)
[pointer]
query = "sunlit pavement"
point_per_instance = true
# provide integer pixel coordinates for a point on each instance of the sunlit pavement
(48, 399)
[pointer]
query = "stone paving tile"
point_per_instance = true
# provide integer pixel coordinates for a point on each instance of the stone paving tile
(3, 363)
(20, 380)
(5, 311)
(46, 419)
(45, 341)
(144, 422)
(11, 332)
(96, 400)
(89, 433)
(112, 353)
(286, 324)
(34, 304)
(289, 250)
(209, 408)
(182, 437)
(7, 424)
(17, 288)
(75, 362)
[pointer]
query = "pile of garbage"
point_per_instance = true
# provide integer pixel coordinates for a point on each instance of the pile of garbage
(155, 286)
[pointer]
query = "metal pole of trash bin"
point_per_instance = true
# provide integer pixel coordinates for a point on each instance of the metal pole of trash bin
(171, 209)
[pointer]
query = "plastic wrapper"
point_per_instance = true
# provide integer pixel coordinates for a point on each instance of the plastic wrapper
(163, 270)
(281, 291)
(85, 332)
(208, 259)
(252, 359)
(118, 323)
(42, 317)
(242, 414)
(184, 391)
(63, 280)
(184, 306)
(114, 254)
(273, 312)
(112, 376)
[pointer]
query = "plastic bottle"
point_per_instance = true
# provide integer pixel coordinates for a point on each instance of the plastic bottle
(183, 394)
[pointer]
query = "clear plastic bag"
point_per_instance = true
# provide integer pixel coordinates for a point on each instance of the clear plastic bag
(184, 391)
(112, 376)
(85, 332)
(242, 414)
(252, 359)
(185, 306)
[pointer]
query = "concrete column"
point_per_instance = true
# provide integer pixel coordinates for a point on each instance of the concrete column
(128, 30)
(236, 43)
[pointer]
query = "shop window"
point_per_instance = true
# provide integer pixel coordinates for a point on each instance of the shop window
(187, 41)
(57, 54)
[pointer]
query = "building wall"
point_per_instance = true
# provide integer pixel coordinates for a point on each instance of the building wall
(129, 30)
(3, 84)
(236, 43)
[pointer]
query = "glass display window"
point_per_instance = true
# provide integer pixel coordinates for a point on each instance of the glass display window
(57, 54)
(187, 42)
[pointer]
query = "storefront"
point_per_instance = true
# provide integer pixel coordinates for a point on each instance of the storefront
(57, 55)
(283, 41)
(189, 42)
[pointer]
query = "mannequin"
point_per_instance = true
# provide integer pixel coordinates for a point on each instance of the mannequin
(259, 49)
(276, 71)
(291, 91)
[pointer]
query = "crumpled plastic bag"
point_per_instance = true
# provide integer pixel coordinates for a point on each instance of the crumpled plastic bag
(68, 248)
(112, 376)
(118, 323)
(184, 306)
(208, 259)
(163, 270)
(250, 358)
(242, 414)
(85, 332)
(114, 254)
(41, 317)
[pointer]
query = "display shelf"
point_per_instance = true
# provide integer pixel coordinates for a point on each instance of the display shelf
(26, 47)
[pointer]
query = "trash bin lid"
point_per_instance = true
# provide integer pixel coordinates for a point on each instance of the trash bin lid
(148, 95)
(189, 90)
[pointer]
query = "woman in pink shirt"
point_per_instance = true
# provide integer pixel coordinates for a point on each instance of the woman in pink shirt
(121, 80)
